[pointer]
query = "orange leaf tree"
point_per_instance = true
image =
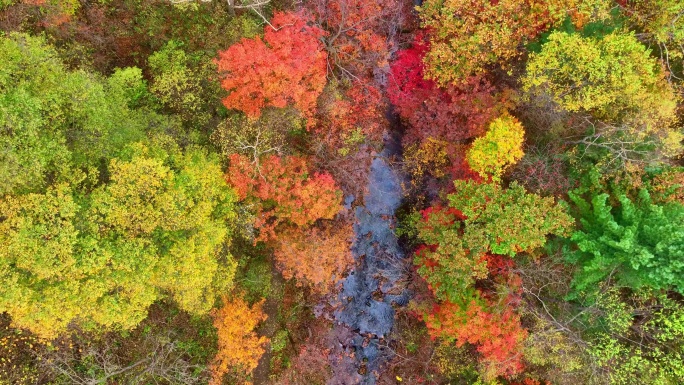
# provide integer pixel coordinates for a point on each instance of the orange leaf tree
(238, 344)
(317, 257)
(287, 201)
(282, 191)
(287, 66)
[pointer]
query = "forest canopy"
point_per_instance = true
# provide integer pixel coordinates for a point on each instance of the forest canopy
(342, 192)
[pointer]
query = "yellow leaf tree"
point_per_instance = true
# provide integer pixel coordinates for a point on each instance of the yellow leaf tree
(617, 84)
(501, 147)
(467, 36)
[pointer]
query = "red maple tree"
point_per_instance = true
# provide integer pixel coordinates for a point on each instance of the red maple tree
(407, 87)
(453, 114)
(287, 66)
(497, 334)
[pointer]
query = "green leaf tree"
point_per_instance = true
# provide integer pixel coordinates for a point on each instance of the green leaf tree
(482, 218)
(616, 83)
(636, 242)
(185, 85)
(506, 220)
(640, 336)
(58, 125)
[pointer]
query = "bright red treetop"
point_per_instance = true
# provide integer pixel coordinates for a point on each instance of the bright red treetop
(407, 87)
(287, 66)
(453, 114)
(497, 334)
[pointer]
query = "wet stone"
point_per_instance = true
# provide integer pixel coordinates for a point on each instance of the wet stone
(380, 268)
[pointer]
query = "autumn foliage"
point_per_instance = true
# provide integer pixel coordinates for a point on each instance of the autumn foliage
(358, 38)
(471, 242)
(469, 35)
(317, 257)
(350, 117)
(430, 157)
(54, 13)
(339, 187)
(287, 66)
(498, 335)
(500, 148)
(669, 186)
(453, 113)
(282, 191)
(407, 86)
(238, 344)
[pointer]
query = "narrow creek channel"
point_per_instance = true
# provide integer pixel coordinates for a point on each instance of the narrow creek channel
(377, 283)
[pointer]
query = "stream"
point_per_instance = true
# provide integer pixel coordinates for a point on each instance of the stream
(377, 283)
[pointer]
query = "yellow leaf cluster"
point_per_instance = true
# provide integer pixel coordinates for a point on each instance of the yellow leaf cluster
(429, 157)
(469, 35)
(500, 148)
(615, 79)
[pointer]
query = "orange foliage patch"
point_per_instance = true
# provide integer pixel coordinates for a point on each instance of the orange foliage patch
(317, 257)
(238, 344)
(361, 109)
(497, 335)
(358, 40)
(282, 190)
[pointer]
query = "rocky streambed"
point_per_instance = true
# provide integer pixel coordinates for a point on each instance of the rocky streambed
(377, 284)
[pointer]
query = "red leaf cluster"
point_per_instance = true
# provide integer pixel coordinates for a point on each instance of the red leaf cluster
(453, 114)
(497, 335)
(360, 108)
(283, 191)
(543, 174)
(530, 381)
(407, 88)
(460, 169)
(446, 216)
(287, 67)
(498, 264)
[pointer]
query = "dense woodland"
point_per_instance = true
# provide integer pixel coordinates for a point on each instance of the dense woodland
(181, 185)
